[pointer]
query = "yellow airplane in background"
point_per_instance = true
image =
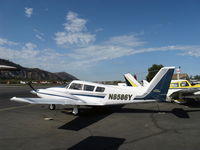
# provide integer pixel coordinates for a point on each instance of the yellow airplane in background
(182, 90)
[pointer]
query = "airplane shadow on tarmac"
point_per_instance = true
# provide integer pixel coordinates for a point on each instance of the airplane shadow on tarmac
(89, 116)
(98, 143)
(193, 104)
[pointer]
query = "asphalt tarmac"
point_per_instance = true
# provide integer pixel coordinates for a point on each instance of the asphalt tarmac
(142, 126)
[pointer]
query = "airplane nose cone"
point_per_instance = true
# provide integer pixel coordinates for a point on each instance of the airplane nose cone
(35, 91)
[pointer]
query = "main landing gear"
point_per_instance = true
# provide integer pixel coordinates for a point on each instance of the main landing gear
(52, 106)
(74, 111)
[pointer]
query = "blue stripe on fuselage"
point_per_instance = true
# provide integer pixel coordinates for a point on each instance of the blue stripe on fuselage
(98, 96)
(71, 94)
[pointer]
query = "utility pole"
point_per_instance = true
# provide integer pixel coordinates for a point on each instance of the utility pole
(178, 71)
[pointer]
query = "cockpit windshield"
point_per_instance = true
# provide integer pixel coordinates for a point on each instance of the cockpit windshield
(76, 86)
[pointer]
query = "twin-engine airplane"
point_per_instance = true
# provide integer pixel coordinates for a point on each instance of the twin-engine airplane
(93, 94)
(180, 91)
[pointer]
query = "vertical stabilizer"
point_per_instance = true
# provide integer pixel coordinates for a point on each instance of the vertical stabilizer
(159, 85)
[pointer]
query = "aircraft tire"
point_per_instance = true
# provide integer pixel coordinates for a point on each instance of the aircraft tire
(52, 107)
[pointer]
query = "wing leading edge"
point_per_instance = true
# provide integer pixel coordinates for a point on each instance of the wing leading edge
(49, 101)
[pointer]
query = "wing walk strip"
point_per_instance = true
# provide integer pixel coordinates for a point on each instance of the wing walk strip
(15, 107)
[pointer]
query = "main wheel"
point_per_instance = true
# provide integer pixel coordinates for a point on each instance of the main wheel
(52, 107)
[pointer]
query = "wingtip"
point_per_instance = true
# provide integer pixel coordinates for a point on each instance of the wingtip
(13, 98)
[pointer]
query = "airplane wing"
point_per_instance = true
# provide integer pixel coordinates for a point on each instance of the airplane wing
(50, 101)
(187, 91)
(197, 93)
(190, 90)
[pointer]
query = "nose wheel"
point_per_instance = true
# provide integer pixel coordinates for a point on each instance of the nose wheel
(52, 107)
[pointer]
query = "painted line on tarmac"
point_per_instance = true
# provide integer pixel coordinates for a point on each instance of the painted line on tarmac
(15, 107)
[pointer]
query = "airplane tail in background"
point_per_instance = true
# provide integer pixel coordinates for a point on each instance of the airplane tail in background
(131, 81)
(145, 83)
(159, 85)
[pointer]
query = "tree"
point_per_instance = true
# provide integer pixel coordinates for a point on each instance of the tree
(197, 77)
(152, 71)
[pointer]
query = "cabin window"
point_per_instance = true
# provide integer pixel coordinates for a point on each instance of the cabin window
(76, 86)
(174, 84)
(100, 89)
(88, 88)
(184, 83)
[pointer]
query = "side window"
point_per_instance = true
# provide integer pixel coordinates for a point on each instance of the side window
(76, 86)
(100, 89)
(184, 83)
(174, 84)
(88, 88)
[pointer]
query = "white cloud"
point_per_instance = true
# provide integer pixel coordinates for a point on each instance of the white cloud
(191, 51)
(184, 50)
(39, 35)
(75, 32)
(7, 42)
(76, 35)
(126, 40)
(29, 46)
(113, 48)
(78, 39)
(99, 30)
(30, 55)
(74, 24)
(28, 12)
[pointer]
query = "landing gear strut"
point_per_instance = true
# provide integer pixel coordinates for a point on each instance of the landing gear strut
(75, 110)
(52, 106)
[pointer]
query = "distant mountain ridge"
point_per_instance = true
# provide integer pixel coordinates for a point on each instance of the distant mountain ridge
(32, 73)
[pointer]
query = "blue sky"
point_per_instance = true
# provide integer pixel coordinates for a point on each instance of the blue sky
(101, 39)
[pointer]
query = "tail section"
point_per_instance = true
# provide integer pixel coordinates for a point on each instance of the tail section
(159, 85)
(131, 81)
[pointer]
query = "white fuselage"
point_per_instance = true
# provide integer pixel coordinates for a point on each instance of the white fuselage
(111, 94)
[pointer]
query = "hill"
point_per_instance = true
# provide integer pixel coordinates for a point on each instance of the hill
(32, 73)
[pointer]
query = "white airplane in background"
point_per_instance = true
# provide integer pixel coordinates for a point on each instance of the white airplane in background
(179, 90)
(93, 94)
(131, 81)
(5, 68)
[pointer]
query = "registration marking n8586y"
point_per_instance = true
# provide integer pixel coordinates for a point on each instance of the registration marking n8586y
(120, 96)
